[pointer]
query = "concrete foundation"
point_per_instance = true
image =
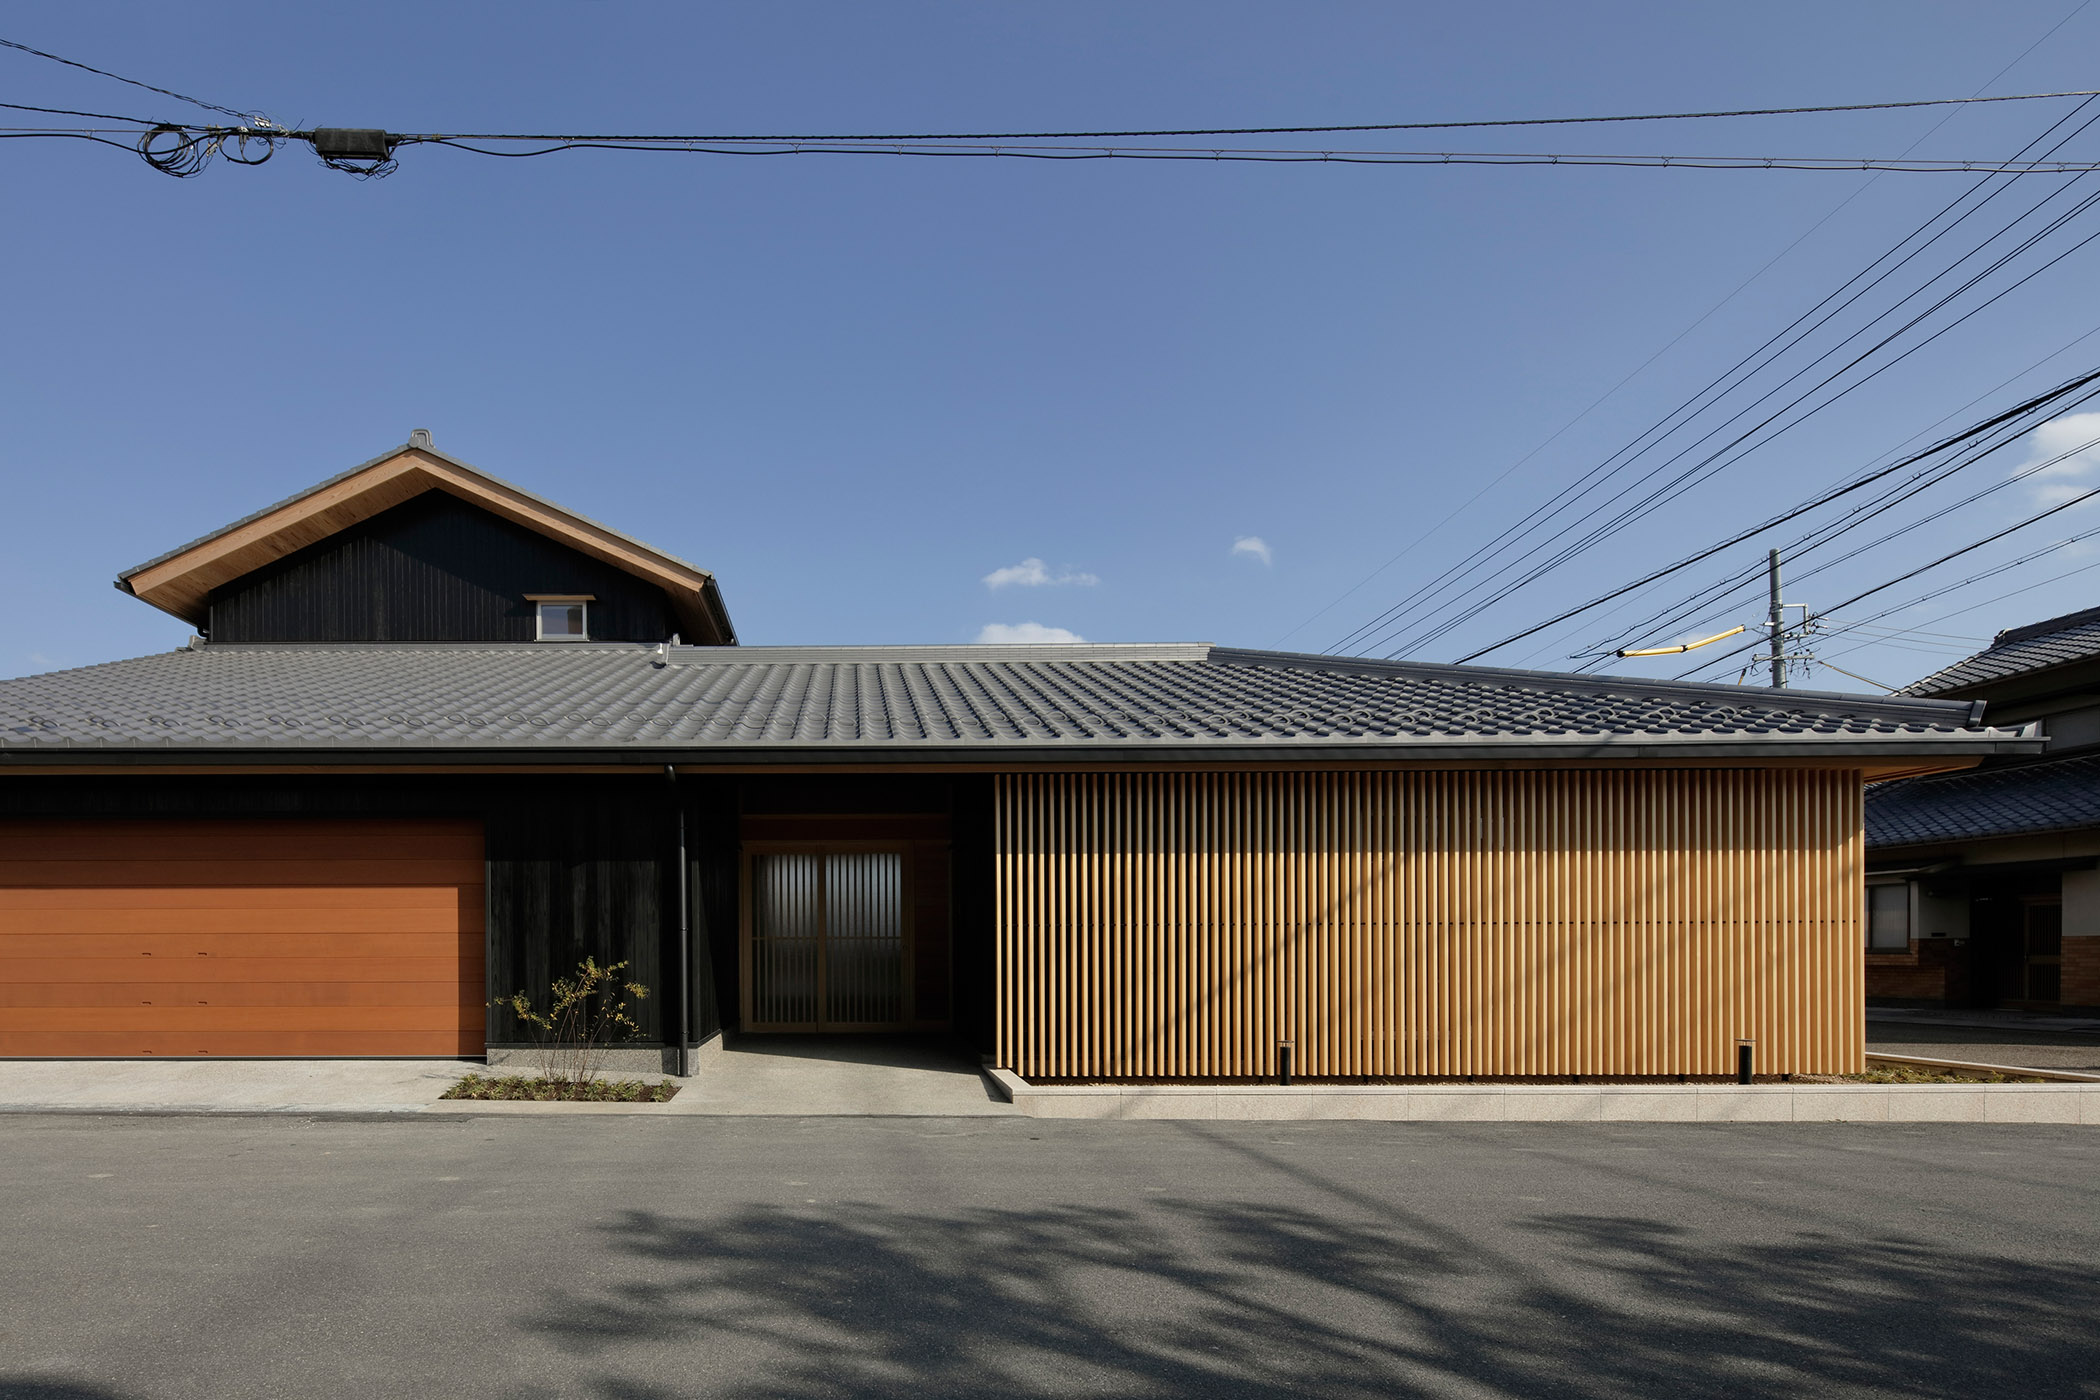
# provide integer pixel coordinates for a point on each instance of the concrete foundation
(617, 1060)
(1567, 1103)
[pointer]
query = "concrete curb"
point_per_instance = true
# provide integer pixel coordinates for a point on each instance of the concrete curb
(214, 1110)
(1567, 1103)
(532, 1106)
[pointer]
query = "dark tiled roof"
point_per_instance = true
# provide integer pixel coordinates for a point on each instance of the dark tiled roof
(2016, 800)
(2018, 650)
(872, 700)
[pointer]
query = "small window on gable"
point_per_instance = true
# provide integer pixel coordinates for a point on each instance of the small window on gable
(561, 619)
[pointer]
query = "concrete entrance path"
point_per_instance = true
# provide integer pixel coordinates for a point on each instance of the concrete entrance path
(784, 1076)
(796, 1075)
(225, 1086)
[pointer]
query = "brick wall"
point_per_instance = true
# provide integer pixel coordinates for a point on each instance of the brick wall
(1933, 971)
(2081, 972)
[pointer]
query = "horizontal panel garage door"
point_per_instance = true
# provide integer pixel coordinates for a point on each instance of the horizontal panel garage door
(241, 938)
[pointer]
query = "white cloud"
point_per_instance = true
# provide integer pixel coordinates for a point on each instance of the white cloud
(1021, 633)
(2055, 484)
(1033, 573)
(1255, 546)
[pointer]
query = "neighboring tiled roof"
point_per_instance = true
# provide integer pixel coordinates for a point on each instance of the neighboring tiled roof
(2018, 650)
(929, 701)
(2054, 794)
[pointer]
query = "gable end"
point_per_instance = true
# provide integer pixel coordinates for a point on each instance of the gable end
(432, 569)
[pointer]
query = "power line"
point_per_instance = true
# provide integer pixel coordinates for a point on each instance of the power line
(1687, 609)
(1332, 156)
(1896, 496)
(164, 141)
(1704, 317)
(581, 139)
(1671, 344)
(1713, 392)
(184, 149)
(1706, 467)
(2018, 411)
(1973, 607)
(1601, 652)
(69, 112)
(242, 117)
(1947, 588)
(1477, 124)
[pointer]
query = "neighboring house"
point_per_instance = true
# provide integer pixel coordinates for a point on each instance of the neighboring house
(438, 739)
(1984, 887)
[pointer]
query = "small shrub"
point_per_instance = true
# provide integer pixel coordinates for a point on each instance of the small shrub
(586, 1013)
(542, 1089)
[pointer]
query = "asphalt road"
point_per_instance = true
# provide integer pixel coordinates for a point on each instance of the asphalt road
(1986, 1045)
(634, 1258)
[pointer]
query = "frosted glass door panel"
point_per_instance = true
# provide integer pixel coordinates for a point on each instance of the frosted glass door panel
(864, 938)
(827, 940)
(787, 938)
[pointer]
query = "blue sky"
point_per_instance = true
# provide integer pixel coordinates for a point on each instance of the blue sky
(890, 400)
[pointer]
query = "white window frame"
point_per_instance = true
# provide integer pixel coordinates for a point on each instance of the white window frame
(543, 601)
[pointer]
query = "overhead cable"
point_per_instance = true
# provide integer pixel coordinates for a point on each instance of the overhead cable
(2020, 410)
(1711, 599)
(1951, 555)
(244, 118)
(1716, 389)
(1612, 527)
(1160, 132)
(1825, 534)
(1734, 292)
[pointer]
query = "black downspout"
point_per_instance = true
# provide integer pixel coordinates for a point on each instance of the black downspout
(681, 1062)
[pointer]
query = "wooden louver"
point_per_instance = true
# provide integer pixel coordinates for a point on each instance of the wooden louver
(1405, 924)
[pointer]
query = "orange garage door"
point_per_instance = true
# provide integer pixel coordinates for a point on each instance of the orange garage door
(241, 938)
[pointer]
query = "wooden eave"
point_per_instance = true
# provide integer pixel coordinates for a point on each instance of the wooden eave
(182, 583)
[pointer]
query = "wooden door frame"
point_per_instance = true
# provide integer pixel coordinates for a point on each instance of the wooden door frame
(2029, 903)
(907, 917)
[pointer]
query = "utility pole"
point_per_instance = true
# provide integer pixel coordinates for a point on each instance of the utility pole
(1778, 625)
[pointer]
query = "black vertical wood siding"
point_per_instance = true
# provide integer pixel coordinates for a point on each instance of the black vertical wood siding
(576, 872)
(712, 883)
(433, 569)
(975, 910)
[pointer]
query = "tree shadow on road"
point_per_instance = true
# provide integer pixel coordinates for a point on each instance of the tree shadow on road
(1234, 1299)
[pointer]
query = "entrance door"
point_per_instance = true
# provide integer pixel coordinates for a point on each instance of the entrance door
(2042, 951)
(826, 943)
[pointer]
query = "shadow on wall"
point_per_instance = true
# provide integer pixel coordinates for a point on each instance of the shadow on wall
(1209, 1299)
(16, 1388)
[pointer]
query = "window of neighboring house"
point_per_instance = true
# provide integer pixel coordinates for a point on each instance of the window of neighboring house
(563, 619)
(1888, 918)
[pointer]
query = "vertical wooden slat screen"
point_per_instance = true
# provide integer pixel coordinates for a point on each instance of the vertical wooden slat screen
(1429, 924)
